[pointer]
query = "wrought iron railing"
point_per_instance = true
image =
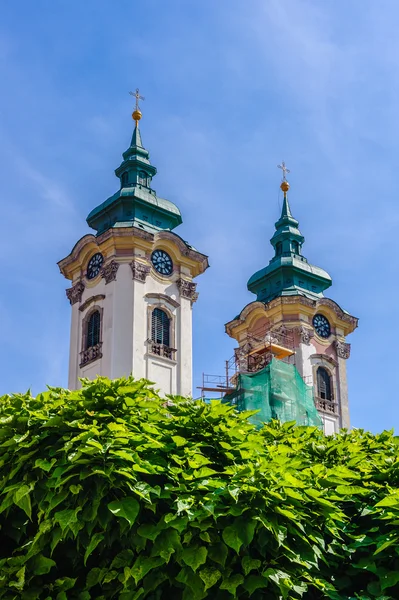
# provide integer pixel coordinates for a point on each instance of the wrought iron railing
(90, 354)
(162, 350)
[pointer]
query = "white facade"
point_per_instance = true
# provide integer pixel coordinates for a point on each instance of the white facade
(125, 293)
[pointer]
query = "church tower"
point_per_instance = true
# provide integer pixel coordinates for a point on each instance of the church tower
(132, 288)
(292, 320)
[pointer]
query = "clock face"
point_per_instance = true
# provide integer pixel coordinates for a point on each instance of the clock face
(162, 262)
(322, 326)
(94, 266)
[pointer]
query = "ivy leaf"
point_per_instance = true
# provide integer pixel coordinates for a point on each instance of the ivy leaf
(210, 576)
(44, 464)
(67, 518)
(179, 440)
(143, 565)
(255, 582)
(232, 583)
(166, 544)
(22, 499)
(95, 540)
(42, 565)
(241, 532)
(249, 564)
(218, 553)
(194, 557)
(350, 490)
(198, 460)
(127, 508)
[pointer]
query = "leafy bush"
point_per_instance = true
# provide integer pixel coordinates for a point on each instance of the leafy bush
(107, 492)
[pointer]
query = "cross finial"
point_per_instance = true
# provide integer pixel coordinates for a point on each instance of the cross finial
(136, 95)
(137, 112)
(284, 169)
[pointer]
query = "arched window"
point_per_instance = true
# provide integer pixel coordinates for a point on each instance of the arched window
(295, 247)
(324, 389)
(142, 177)
(279, 248)
(125, 178)
(160, 327)
(93, 330)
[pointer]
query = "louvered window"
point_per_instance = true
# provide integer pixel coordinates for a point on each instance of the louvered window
(279, 249)
(142, 177)
(125, 178)
(93, 330)
(160, 327)
(324, 384)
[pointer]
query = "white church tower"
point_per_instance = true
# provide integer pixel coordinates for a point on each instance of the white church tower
(132, 288)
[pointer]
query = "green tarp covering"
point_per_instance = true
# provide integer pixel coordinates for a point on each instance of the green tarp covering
(277, 392)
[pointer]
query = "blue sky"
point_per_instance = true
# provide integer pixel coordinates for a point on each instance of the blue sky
(231, 89)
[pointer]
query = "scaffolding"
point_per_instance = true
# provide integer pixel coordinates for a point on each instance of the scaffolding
(255, 353)
(262, 376)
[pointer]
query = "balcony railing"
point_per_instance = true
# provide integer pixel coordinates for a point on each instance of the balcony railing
(91, 354)
(162, 350)
(326, 405)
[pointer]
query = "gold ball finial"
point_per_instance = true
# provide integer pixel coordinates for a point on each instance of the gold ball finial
(285, 186)
(136, 115)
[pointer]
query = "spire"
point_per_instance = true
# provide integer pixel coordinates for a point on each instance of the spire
(136, 169)
(136, 202)
(288, 272)
(287, 238)
(286, 211)
(136, 138)
(136, 116)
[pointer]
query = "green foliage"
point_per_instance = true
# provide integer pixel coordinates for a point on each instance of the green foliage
(109, 492)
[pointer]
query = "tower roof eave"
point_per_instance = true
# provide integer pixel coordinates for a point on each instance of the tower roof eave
(135, 195)
(290, 262)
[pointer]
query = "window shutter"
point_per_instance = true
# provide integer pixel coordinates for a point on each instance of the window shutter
(93, 330)
(160, 327)
(323, 384)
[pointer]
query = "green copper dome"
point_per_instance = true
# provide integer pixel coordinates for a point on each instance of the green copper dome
(288, 273)
(135, 202)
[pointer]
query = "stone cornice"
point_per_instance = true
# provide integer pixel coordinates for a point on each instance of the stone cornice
(164, 297)
(77, 249)
(349, 322)
(325, 357)
(117, 238)
(184, 248)
(91, 300)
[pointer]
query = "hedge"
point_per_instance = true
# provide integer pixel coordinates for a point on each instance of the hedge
(110, 492)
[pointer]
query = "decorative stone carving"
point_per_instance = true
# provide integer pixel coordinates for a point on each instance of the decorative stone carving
(74, 294)
(162, 350)
(338, 311)
(91, 354)
(108, 272)
(187, 289)
(343, 349)
(305, 334)
(139, 270)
